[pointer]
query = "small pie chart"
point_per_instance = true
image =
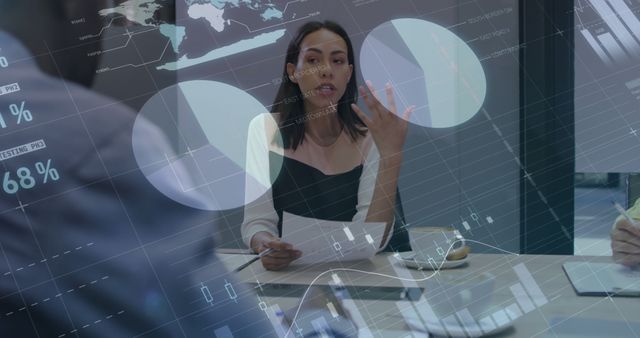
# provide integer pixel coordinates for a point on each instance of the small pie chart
(428, 67)
(201, 160)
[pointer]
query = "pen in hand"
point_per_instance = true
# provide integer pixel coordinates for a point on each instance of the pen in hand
(260, 255)
(625, 214)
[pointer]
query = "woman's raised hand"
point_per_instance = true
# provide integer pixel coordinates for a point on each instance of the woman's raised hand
(388, 130)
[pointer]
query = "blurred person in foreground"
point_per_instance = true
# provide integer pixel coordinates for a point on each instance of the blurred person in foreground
(95, 250)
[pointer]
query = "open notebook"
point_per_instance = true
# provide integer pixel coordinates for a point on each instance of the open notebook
(602, 279)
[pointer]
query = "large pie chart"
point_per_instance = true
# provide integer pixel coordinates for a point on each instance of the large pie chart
(428, 66)
(190, 141)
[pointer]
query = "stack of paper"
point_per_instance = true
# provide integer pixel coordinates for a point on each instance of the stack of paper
(327, 241)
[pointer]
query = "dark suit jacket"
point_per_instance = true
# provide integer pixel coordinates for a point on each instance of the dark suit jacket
(100, 252)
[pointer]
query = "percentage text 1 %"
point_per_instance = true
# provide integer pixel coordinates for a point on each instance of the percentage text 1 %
(19, 112)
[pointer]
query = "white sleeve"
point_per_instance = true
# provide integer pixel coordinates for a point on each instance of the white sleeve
(366, 189)
(259, 213)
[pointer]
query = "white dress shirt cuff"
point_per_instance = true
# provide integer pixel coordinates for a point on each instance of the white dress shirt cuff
(254, 229)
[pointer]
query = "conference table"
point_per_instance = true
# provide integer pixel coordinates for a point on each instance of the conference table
(535, 289)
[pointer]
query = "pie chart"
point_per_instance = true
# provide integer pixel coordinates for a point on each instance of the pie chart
(427, 66)
(190, 141)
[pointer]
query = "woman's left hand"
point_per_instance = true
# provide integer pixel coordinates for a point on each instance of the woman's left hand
(388, 130)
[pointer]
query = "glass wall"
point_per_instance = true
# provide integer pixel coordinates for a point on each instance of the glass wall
(457, 61)
(607, 115)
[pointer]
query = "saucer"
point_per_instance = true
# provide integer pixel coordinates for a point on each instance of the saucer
(408, 259)
(450, 327)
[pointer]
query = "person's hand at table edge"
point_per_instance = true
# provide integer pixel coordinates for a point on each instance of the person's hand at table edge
(625, 243)
(283, 253)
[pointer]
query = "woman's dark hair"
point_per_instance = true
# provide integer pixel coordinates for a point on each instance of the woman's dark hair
(289, 101)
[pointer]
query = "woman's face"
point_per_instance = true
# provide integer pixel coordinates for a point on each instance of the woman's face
(323, 70)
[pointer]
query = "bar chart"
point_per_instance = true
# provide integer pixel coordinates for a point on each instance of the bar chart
(421, 315)
(634, 87)
(611, 28)
(607, 85)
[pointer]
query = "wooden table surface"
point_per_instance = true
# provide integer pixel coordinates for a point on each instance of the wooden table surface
(561, 314)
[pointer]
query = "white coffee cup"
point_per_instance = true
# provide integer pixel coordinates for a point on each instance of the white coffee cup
(434, 243)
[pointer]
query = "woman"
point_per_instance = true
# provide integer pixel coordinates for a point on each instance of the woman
(339, 164)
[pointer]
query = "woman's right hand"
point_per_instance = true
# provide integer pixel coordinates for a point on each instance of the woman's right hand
(625, 243)
(283, 253)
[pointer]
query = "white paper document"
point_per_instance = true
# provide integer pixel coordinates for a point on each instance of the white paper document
(328, 241)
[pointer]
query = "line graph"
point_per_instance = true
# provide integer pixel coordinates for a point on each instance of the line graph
(404, 279)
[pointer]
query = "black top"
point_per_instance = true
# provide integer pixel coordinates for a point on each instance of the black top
(303, 190)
